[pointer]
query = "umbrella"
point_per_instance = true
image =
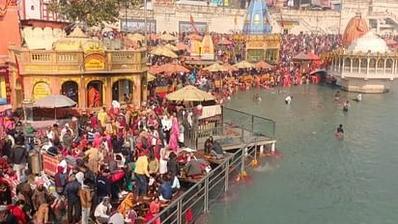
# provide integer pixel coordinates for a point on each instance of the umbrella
(136, 37)
(263, 65)
(190, 93)
(167, 37)
(306, 57)
(163, 51)
(243, 65)
(150, 77)
(55, 101)
(216, 68)
(172, 68)
(229, 67)
(171, 47)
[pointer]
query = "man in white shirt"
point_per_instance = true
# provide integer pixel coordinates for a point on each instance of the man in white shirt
(102, 211)
(166, 126)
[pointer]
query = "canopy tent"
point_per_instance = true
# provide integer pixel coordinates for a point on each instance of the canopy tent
(306, 57)
(163, 51)
(167, 37)
(150, 77)
(154, 69)
(190, 93)
(263, 65)
(243, 65)
(136, 37)
(230, 67)
(216, 68)
(172, 68)
(171, 47)
(54, 102)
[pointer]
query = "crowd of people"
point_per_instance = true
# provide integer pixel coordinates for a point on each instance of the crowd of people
(119, 165)
(224, 84)
(122, 164)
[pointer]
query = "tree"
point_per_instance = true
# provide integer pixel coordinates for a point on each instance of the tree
(90, 12)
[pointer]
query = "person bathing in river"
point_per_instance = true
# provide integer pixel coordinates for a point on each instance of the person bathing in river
(340, 131)
(346, 105)
(358, 98)
(288, 99)
(257, 98)
(337, 96)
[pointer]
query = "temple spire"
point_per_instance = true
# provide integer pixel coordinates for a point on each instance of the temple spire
(257, 19)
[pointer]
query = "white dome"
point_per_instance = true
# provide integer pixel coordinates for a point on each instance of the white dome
(369, 42)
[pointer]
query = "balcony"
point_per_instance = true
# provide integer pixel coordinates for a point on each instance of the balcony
(42, 62)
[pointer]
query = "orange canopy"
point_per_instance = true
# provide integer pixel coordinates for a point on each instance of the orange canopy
(355, 29)
(172, 68)
(263, 65)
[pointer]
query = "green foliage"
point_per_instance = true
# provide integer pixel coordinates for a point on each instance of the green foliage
(91, 12)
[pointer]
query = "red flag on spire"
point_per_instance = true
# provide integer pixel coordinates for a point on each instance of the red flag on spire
(193, 24)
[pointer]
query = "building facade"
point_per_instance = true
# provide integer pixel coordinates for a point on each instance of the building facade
(80, 68)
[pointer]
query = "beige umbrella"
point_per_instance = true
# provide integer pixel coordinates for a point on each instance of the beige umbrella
(167, 37)
(171, 47)
(150, 77)
(190, 93)
(136, 37)
(216, 68)
(163, 51)
(243, 65)
(54, 102)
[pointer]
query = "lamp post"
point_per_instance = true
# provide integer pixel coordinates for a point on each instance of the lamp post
(145, 21)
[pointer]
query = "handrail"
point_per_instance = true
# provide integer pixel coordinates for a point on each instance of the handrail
(201, 185)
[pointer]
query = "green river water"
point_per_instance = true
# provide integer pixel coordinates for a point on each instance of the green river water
(320, 179)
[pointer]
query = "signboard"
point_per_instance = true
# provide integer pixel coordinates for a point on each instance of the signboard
(50, 164)
(137, 25)
(256, 44)
(40, 90)
(94, 61)
(5, 86)
(186, 27)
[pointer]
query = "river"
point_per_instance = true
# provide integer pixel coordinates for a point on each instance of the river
(320, 179)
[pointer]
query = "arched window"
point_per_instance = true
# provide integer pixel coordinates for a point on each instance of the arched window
(94, 94)
(347, 64)
(122, 91)
(71, 90)
(355, 65)
(389, 63)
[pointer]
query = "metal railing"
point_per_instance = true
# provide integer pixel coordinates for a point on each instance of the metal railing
(207, 190)
(256, 125)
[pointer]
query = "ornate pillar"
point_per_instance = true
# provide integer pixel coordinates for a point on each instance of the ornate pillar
(359, 65)
(367, 67)
(351, 65)
(339, 60)
(384, 68)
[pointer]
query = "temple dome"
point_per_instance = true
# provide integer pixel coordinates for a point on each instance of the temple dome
(369, 42)
(356, 28)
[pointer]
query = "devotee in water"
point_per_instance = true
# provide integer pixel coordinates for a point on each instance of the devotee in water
(346, 106)
(288, 99)
(340, 131)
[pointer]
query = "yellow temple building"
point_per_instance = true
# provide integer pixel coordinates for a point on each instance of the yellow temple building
(82, 69)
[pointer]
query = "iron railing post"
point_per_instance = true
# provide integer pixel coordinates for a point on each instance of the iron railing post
(179, 212)
(242, 169)
(226, 175)
(206, 198)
